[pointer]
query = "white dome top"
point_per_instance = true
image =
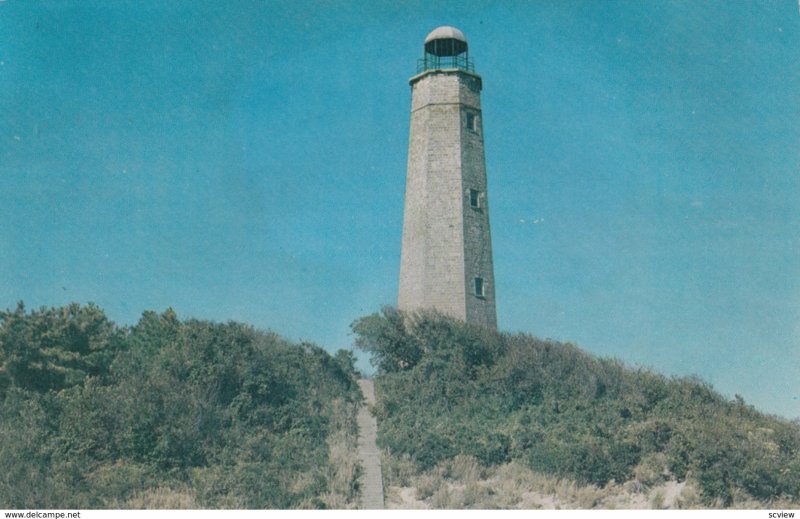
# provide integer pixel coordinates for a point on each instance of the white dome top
(445, 32)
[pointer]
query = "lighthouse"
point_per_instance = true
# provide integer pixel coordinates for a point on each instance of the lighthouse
(446, 259)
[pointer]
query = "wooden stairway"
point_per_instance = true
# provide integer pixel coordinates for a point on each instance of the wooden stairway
(368, 453)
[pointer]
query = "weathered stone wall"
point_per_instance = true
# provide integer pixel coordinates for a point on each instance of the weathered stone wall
(477, 234)
(446, 241)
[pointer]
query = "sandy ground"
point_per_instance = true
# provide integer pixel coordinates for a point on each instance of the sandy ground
(532, 498)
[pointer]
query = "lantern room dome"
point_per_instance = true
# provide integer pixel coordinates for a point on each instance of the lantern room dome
(446, 41)
(445, 32)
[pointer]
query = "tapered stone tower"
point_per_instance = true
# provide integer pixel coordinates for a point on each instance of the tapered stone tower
(446, 261)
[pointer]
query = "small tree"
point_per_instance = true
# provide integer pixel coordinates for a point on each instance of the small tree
(54, 348)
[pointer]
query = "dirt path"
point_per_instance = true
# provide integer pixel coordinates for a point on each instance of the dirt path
(371, 480)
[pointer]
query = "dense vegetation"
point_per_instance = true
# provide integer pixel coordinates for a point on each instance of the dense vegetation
(448, 390)
(169, 413)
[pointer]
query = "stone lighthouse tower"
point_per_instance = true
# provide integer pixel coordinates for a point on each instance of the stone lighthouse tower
(446, 261)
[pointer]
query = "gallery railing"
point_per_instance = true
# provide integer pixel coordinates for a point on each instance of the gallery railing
(431, 62)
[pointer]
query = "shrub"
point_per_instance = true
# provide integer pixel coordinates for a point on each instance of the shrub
(168, 413)
(447, 389)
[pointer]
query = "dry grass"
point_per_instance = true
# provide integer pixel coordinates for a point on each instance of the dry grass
(442, 499)
(462, 483)
(162, 499)
(343, 458)
(651, 471)
(742, 501)
(427, 485)
(463, 468)
(688, 498)
(397, 471)
(657, 503)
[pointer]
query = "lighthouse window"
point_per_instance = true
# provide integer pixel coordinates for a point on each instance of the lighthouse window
(479, 287)
(472, 122)
(475, 198)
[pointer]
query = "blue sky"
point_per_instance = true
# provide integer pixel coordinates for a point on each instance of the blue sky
(246, 161)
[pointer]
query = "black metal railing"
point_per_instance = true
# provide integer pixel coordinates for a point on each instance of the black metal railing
(431, 62)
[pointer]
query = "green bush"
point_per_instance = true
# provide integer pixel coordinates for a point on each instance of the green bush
(217, 415)
(446, 389)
